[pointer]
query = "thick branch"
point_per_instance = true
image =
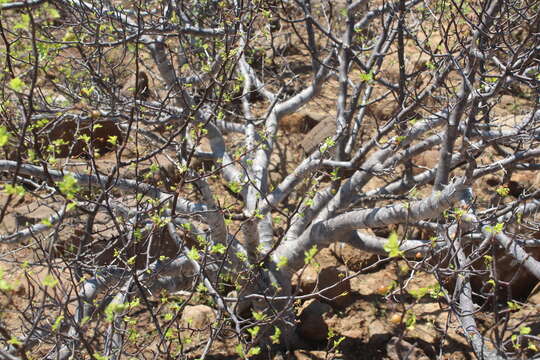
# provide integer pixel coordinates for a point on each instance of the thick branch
(323, 233)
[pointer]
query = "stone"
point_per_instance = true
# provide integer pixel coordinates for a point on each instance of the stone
(382, 109)
(310, 355)
(513, 278)
(312, 325)
(298, 123)
(353, 258)
(198, 317)
(239, 307)
(378, 328)
(426, 160)
(316, 136)
(137, 86)
(311, 280)
(399, 349)
(284, 45)
(70, 133)
(534, 297)
(378, 285)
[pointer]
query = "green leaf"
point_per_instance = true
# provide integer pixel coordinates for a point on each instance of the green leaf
(4, 285)
(112, 139)
(186, 226)
(24, 23)
(50, 281)
(433, 290)
(259, 316)
(419, 293)
(310, 254)
(338, 342)
(235, 187)
(436, 292)
(410, 321)
(87, 91)
(514, 339)
(392, 245)
(14, 190)
(241, 256)
(503, 191)
(84, 137)
(366, 77)
(497, 228)
(240, 350)
(4, 136)
(17, 84)
(400, 138)
(71, 205)
(512, 305)
(114, 308)
(100, 357)
(53, 13)
(202, 288)
(135, 302)
(218, 248)
(202, 240)
(14, 341)
(153, 167)
(328, 143)
(40, 123)
(193, 254)
(277, 334)
(68, 186)
(57, 323)
(282, 262)
(254, 331)
(254, 351)
(258, 215)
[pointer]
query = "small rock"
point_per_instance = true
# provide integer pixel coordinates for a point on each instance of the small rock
(316, 136)
(241, 307)
(354, 334)
(284, 46)
(377, 328)
(399, 349)
(382, 109)
(310, 355)
(310, 280)
(353, 258)
(198, 317)
(98, 132)
(425, 161)
(297, 123)
(312, 324)
(534, 297)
